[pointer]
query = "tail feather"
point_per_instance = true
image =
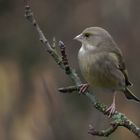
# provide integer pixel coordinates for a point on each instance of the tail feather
(129, 95)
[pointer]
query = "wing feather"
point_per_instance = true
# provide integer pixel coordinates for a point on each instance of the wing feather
(122, 66)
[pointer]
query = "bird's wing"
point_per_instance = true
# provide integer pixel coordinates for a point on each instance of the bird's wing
(121, 66)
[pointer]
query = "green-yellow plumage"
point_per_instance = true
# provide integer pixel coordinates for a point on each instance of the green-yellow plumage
(101, 62)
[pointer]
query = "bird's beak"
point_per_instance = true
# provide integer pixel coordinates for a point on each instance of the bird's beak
(79, 37)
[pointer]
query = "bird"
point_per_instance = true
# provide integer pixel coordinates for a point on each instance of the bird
(102, 64)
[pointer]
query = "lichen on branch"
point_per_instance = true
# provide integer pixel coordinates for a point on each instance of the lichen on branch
(118, 119)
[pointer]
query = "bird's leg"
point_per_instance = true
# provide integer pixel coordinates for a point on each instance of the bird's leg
(111, 110)
(83, 87)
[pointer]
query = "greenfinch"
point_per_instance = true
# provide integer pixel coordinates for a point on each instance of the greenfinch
(102, 64)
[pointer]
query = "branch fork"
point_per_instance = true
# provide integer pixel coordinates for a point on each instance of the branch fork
(118, 119)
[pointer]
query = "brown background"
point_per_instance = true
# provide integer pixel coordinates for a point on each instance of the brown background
(33, 110)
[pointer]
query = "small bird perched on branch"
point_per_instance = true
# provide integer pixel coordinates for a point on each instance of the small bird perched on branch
(102, 64)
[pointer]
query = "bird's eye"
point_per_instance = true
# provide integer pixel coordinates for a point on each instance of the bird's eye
(87, 35)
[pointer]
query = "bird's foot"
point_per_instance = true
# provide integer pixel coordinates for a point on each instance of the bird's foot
(83, 88)
(111, 110)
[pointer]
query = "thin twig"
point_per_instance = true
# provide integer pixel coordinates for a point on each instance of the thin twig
(104, 133)
(64, 57)
(30, 17)
(119, 118)
(69, 89)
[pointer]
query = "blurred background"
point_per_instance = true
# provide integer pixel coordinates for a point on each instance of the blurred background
(31, 108)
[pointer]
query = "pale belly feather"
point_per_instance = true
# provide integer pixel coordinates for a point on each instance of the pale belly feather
(96, 71)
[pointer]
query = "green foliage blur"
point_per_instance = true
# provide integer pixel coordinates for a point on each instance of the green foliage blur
(31, 108)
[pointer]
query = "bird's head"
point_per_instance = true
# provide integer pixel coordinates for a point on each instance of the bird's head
(93, 36)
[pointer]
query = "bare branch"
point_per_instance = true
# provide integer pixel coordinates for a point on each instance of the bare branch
(104, 133)
(64, 57)
(54, 43)
(30, 17)
(119, 119)
(69, 89)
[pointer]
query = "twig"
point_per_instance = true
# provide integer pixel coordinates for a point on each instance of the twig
(69, 89)
(30, 17)
(64, 57)
(119, 119)
(54, 43)
(104, 133)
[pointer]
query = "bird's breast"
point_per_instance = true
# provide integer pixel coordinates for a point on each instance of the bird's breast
(86, 60)
(88, 63)
(95, 70)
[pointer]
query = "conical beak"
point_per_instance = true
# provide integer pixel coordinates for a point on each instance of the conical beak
(79, 37)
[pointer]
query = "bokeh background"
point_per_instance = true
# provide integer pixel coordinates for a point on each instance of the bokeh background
(31, 108)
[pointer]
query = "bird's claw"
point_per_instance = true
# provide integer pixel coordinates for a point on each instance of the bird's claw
(83, 88)
(111, 110)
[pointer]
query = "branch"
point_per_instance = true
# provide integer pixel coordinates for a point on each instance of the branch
(51, 50)
(119, 119)
(104, 133)
(64, 57)
(69, 89)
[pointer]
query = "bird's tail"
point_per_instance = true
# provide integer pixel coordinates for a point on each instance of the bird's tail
(129, 95)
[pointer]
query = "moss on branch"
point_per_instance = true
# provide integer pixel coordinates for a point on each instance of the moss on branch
(119, 119)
